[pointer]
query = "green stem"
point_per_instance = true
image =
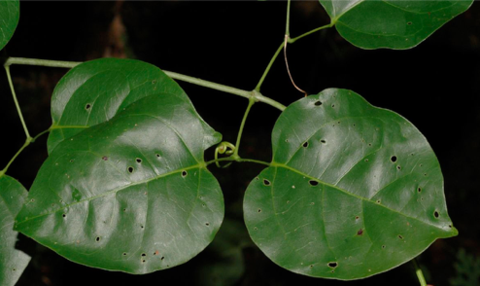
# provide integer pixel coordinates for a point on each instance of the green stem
(293, 40)
(287, 25)
(212, 85)
(419, 272)
(25, 145)
(7, 69)
(40, 62)
(240, 160)
(267, 70)
(209, 84)
(251, 101)
(27, 142)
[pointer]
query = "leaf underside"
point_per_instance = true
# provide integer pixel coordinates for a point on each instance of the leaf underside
(12, 261)
(132, 193)
(394, 24)
(352, 190)
(9, 15)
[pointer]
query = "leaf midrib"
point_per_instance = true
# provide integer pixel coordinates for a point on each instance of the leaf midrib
(199, 166)
(277, 165)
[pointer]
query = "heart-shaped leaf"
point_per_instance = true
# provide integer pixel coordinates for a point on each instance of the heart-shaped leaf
(93, 92)
(131, 194)
(352, 190)
(12, 261)
(9, 15)
(394, 24)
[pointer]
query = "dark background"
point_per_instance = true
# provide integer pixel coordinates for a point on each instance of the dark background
(436, 86)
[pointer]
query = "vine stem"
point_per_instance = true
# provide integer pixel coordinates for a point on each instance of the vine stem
(267, 69)
(17, 105)
(197, 81)
(293, 40)
(419, 272)
(28, 141)
(238, 159)
(251, 101)
(39, 62)
(287, 24)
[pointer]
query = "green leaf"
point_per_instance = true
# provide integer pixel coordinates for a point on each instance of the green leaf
(12, 261)
(352, 190)
(131, 194)
(9, 15)
(394, 24)
(93, 92)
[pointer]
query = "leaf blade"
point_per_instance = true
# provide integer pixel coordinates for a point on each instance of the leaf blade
(130, 194)
(9, 16)
(391, 24)
(333, 203)
(12, 261)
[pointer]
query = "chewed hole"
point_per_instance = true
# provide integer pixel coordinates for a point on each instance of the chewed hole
(332, 264)
(450, 226)
(158, 155)
(305, 145)
(130, 169)
(419, 189)
(333, 105)
(393, 159)
(313, 183)
(124, 254)
(144, 254)
(143, 261)
(259, 210)
(207, 224)
(184, 173)
(318, 103)
(436, 214)
(88, 106)
(383, 246)
(266, 182)
(162, 258)
(399, 167)
(139, 161)
(323, 141)
(379, 201)
(97, 238)
(64, 215)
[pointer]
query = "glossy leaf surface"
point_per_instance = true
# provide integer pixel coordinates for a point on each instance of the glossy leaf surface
(12, 261)
(394, 24)
(131, 194)
(93, 92)
(352, 190)
(9, 15)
